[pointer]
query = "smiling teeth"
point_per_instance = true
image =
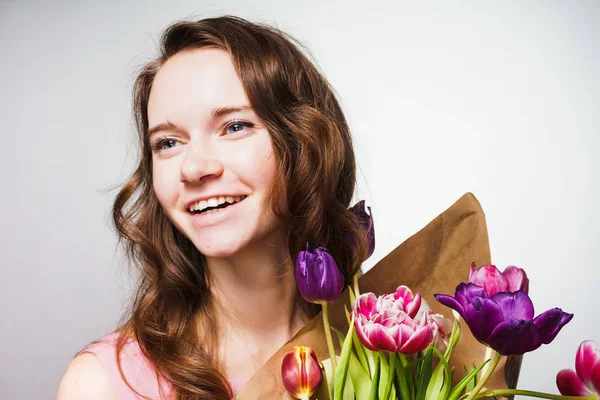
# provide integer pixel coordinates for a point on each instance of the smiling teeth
(214, 202)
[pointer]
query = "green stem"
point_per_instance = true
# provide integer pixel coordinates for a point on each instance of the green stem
(329, 340)
(391, 376)
(492, 366)
(540, 395)
(355, 284)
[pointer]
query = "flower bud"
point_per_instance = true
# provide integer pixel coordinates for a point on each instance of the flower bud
(318, 276)
(301, 372)
(366, 220)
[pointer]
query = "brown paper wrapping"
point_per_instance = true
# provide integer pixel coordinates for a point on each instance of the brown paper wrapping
(434, 260)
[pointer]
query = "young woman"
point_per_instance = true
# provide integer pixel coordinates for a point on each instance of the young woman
(245, 155)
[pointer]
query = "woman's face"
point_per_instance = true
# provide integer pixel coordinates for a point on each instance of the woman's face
(213, 160)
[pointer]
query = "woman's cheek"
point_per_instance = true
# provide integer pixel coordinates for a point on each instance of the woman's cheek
(165, 185)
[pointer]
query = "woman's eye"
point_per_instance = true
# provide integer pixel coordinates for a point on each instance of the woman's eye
(164, 144)
(237, 127)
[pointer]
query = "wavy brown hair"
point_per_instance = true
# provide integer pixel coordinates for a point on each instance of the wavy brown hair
(171, 314)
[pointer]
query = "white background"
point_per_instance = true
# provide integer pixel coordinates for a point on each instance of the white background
(501, 99)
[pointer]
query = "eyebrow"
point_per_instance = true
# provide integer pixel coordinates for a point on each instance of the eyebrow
(216, 113)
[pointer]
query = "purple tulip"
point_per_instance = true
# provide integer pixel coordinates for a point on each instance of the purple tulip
(366, 220)
(318, 276)
(494, 281)
(505, 320)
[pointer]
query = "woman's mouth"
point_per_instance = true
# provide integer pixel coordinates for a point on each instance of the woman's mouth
(214, 205)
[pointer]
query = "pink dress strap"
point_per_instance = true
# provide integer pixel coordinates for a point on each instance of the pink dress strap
(136, 367)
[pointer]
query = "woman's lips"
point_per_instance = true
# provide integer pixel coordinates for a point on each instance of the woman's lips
(216, 215)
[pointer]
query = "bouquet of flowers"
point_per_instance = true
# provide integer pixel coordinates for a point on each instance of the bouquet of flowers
(396, 347)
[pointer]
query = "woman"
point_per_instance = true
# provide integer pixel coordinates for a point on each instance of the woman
(245, 156)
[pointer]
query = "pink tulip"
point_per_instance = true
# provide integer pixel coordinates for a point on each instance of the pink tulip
(382, 323)
(441, 328)
(404, 298)
(301, 372)
(493, 281)
(585, 380)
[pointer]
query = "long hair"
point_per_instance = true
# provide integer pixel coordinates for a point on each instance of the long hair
(315, 174)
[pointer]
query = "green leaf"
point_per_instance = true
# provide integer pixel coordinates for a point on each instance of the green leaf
(435, 384)
(454, 338)
(401, 383)
(360, 351)
(361, 380)
(371, 360)
(349, 392)
(375, 384)
(472, 383)
(352, 295)
(469, 381)
(384, 376)
(342, 369)
(425, 373)
(439, 385)
(347, 315)
(341, 337)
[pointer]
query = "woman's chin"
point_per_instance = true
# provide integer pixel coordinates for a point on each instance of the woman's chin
(219, 249)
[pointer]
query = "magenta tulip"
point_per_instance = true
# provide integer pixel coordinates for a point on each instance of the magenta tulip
(585, 380)
(383, 324)
(493, 281)
(301, 372)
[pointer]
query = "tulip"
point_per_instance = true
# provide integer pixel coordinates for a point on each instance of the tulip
(383, 324)
(405, 300)
(318, 276)
(320, 281)
(493, 281)
(441, 328)
(585, 380)
(366, 220)
(301, 372)
(505, 320)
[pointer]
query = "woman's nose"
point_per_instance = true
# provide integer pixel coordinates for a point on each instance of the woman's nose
(199, 165)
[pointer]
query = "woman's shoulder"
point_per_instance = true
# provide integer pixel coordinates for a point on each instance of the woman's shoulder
(95, 369)
(85, 378)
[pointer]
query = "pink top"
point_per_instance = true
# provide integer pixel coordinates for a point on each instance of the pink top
(137, 369)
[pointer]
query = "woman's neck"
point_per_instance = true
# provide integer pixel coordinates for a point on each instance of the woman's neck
(261, 308)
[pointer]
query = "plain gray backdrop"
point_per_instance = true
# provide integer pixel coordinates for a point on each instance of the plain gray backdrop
(501, 99)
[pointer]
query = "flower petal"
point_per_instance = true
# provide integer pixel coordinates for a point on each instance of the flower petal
(550, 322)
(596, 377)
(483, 317)
(516, 278)
(515, 305)
(418, 341)
(585, 360)
(360, 332)
(514, 337)
(380, 337)
(489, 277)
(412, 308)
(451, 302)
(569, 384)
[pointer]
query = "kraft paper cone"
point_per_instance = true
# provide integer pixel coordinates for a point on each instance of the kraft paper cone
(434, 260)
